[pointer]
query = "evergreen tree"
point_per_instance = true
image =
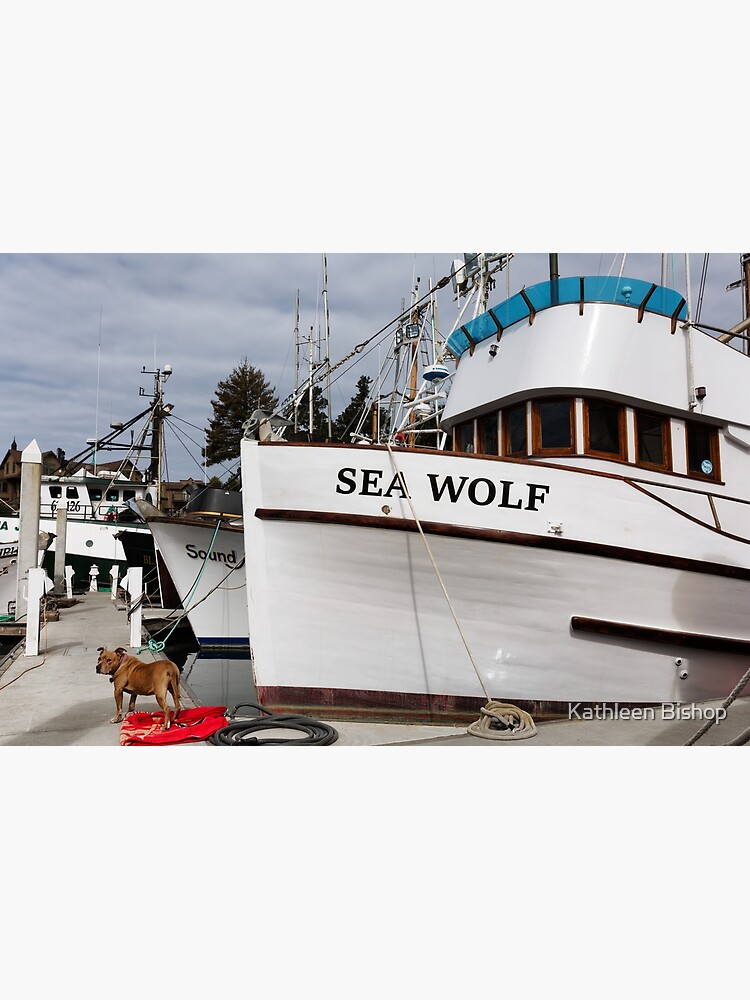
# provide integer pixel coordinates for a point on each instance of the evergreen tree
(236, 397)
(351, 416)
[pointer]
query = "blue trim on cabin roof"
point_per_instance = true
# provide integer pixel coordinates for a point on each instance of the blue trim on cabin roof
(620, 291)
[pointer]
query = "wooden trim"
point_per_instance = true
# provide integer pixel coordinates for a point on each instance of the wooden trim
(401, 706)
(505, 443)
(676, 314)
(691, 517)
(622, 455)
(642, 306)
(647, 633)
(480, 436)
(715, 453)
(529, 460)
(472, 342)
(456, 429)
(532, 310)
(536, 427)
(192, 522)
(666, 440)
(507, 538)
(497, 323)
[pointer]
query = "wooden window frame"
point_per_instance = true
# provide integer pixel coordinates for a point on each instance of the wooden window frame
(536, 427)
(622, 455)
(505, 432)
(666, 437)
(479, 433)
(715, 476)
(465, 423)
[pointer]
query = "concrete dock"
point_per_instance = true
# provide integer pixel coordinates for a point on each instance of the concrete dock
(58, 699)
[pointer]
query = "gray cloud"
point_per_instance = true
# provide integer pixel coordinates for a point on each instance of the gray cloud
(77, 329)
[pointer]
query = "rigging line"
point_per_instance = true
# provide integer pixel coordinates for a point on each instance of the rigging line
(402, 315)
(190, 454)
(437, 572)
(173, 416)
(702, 287)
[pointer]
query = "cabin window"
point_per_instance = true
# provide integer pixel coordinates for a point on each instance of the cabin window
(652, 445)
(113, 496)
(71, 492)
(514, 430)
(95, 495)
(554, 426)
(487, 431)
(463, 437)
(605, 432)
(128, 494)
(702, 450)
(55, 492)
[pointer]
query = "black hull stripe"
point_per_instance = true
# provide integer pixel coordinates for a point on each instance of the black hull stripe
(554, 542)
(646, 633)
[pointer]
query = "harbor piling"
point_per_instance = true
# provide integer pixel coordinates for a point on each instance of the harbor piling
(61, 529)
(28, 523)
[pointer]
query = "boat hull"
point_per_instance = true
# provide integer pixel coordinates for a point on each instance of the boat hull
(208, 575)
(347, 601)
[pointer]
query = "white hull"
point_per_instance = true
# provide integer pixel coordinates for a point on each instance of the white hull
(209, 579)
(346, 611)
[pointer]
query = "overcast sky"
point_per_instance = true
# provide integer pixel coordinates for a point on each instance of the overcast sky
(79, 328)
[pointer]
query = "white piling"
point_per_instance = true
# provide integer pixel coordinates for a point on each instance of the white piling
(135, 589)
(69, 581)
(93, 574)
(35, 589)
(28, 520)
(61, 531)
(113, 575)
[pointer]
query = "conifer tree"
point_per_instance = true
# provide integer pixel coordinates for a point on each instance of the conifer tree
(351, 416)
(245, 390)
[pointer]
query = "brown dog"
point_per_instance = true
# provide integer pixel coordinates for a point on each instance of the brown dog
(132, 676)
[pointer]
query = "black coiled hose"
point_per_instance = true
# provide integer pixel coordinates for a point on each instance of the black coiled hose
(242, 733)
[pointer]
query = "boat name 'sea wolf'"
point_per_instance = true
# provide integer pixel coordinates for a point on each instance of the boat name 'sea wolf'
(480, 491)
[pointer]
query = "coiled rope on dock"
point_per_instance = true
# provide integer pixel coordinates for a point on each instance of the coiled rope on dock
(498, 720)
(243, 732)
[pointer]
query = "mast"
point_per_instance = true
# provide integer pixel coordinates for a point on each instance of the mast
(296, 363)
(745, 264)
(327, 334)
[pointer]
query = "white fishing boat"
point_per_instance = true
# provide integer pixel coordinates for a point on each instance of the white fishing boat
(9, 564)
(203, 549)
(98, 498)
(584, 539)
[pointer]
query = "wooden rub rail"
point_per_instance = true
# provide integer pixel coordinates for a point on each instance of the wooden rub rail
(647, 633)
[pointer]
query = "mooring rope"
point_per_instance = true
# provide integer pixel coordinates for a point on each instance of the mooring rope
(498, 721)
(735, 693)
(159, 645)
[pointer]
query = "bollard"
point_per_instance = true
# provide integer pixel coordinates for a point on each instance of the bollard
(36, 582)
(93, 574)
(61, 534)
(113, 575)
(135, 589)
(69, 581)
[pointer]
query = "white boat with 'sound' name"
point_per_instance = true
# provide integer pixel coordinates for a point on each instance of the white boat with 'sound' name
(204, 551)
(586, 540)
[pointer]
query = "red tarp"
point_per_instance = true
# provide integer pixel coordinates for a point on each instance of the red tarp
(192, 726)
